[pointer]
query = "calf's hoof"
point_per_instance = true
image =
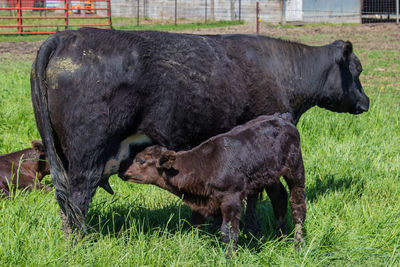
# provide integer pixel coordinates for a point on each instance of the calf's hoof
(298, 236)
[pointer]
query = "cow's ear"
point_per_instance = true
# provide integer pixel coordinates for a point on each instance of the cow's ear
(344, 50)
(347, 50)
(38, 146)
(167, 159)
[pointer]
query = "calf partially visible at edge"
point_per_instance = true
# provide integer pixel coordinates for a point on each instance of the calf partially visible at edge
(217, 175)
(32, 168)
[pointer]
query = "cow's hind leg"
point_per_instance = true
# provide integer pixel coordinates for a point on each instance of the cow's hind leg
(74, 195)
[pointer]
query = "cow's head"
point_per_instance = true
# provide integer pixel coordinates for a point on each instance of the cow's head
(343, 91)
(42, 164)
(149, 165)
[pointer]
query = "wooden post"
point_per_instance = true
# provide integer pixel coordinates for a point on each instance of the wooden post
(258, 17)
(176, 10)
(212, 10)
(397, 11)
(109, 13)
(137, 14)
(205, 12)
(66, 6)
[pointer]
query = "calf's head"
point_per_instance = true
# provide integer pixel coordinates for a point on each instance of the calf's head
(41, 165)
(343, 91)
(149, 165)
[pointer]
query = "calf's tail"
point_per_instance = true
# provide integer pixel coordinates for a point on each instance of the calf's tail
(73, 215)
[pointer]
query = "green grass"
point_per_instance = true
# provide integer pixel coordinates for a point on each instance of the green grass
(352, 189)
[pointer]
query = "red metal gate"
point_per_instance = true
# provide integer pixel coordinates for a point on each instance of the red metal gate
(49, 16)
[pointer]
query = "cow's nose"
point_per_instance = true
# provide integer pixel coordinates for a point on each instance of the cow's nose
(361, 107)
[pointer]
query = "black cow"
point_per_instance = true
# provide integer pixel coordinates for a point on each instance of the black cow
(95, 92)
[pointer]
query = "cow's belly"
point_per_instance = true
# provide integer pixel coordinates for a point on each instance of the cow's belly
(113, 164)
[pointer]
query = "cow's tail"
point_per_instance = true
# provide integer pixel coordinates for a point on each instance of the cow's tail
(73, 215)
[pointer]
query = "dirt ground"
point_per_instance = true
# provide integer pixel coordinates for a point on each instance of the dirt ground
(366, 36)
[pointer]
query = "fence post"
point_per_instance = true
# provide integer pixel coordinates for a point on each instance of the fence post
(66, 6)
(137, 14)
(283, 11)
(19, 4)
(240, 10)
(205, 12)
(397, 11)
(258, 17)
(176, 10)
(144, 9)
(109, 13)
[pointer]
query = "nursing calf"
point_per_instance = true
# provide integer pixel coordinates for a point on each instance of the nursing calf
(24, 169)
(214, 177)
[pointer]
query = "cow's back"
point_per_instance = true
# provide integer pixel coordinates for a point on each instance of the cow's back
(177, 89)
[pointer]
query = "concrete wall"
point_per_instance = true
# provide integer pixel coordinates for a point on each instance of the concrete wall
(331, 11)
(294, 10)
(270, 10)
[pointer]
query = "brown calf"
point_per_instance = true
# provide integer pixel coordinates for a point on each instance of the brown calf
(217, 175)
(32, 168)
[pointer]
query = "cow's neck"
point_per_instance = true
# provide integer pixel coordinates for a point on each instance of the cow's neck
(301, 75)
(310, 79)
(305, 84)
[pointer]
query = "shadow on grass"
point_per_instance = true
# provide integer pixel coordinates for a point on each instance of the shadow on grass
(334, 183)
(120, 217)
(112, 219)
(125, 216)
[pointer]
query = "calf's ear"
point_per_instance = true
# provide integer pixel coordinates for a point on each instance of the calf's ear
(38, 146)
(166, 160)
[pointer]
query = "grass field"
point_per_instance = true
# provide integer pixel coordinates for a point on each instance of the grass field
(352, 191)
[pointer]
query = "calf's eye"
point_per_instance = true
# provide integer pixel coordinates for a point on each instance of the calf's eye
(142, 161)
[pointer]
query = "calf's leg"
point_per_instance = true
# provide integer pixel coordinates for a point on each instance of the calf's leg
(231, 208)
(251, 222)
(295, 181)
(279, 198)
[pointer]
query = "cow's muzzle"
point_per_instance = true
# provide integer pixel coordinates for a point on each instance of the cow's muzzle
(361, 107)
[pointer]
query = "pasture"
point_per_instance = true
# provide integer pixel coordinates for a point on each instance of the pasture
(352, 181)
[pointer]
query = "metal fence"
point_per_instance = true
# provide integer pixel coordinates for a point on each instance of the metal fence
(48, 16)
(274, 11)
(380, 11)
